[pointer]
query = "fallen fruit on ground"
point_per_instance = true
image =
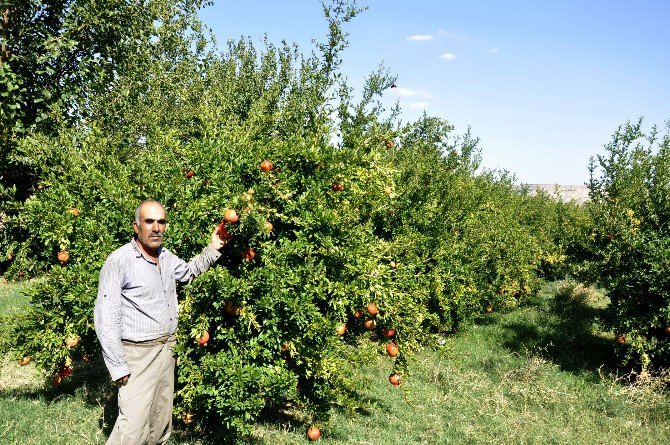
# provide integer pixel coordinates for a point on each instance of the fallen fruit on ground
(394, 379)
(266, 165)
(313, 433)
(23, 361)
(74, 211)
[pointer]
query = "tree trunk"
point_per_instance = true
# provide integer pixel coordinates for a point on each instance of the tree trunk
(5, 33)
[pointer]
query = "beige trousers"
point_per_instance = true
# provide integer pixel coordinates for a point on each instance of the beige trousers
(145, 402)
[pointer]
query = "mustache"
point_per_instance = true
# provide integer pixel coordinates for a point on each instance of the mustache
(156, 234)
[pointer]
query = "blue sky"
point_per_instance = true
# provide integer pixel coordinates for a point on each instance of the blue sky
(543, 84)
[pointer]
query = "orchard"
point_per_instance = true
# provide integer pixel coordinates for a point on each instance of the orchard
(388, 232)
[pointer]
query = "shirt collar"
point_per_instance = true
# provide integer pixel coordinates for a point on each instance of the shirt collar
(140, 254)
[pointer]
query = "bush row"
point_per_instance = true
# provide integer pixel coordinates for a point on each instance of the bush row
(389, 229)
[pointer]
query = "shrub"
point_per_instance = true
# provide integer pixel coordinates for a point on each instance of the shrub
(630, 239)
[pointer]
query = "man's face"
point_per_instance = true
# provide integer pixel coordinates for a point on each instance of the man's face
(151, 227)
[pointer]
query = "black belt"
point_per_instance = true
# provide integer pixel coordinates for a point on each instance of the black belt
(157, 341)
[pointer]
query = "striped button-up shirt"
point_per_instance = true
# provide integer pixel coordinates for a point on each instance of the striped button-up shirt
(137, 298)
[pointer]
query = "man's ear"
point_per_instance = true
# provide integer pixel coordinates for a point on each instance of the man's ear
(135, 228)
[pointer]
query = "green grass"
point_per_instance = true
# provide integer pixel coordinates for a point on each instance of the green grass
(12, 304)
(543, 374)
(12, 301)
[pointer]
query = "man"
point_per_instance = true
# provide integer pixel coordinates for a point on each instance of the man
(136, 321)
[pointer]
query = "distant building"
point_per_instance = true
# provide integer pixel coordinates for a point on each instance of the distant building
(565, 193)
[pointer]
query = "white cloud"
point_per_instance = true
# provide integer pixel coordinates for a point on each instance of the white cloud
(494, 50)
(420, 37)
(443, 33)
(421, 104)
(404, 92)
(448, 56)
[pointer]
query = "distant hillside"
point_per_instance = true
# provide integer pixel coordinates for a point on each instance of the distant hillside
(577, 193)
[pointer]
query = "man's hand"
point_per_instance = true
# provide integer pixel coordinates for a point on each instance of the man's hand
(123, 381)
(217, 242)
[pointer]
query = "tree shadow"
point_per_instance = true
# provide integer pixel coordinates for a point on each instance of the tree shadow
(564, 329)
(281, 417)
(90, 382)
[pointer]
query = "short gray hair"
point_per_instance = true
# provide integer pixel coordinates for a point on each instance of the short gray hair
(137, 210)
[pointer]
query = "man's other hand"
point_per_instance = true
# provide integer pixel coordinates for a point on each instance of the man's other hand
(123, 381)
